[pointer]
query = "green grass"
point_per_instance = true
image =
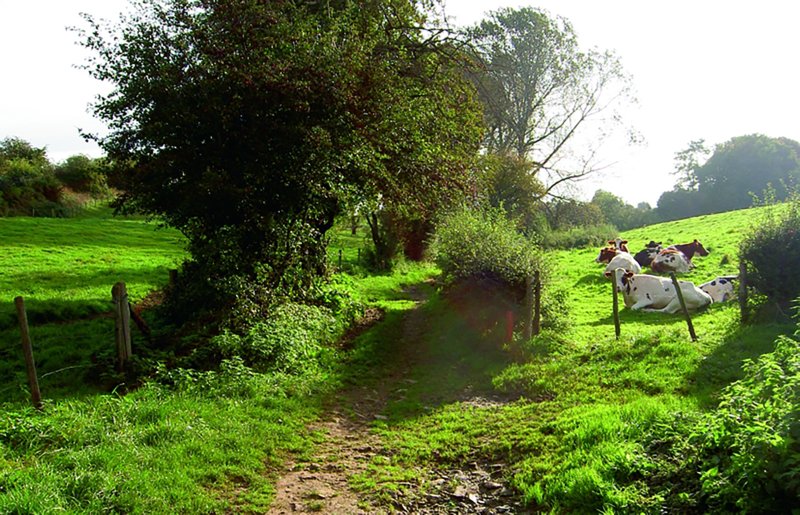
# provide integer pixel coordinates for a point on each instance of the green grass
(185, 442)
(580, 438)
(577, 422)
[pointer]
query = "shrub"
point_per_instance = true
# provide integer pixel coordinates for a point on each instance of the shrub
(578, 237)
(470, 243)
(83, 174)
(749, 448)
(772, 250)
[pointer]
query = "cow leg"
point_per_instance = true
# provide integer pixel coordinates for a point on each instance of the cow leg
(641, 304)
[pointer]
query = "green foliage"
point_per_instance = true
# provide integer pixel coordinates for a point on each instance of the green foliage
(510, 182)
(84, 174)
(566, 214)
(579, 237)
(472, 243)
(27, 182)
(533, 62)
(749, 447)
(738, 169)
(621, 214)
(302, 107)
(771, 249)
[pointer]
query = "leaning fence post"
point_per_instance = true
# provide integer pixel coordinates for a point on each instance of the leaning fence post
(27, 350)
(122, 317)
(683, 306)
(743, 292)
(615, 296)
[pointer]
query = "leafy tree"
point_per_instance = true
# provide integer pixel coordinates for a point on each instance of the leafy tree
(245, 125)
(540, 91)
(509, 184)
(687, 162)
(84, 174)
(565, 214)
(737, 170)
(747, 165)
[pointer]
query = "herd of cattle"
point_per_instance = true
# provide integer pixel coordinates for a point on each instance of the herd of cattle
(654, 293)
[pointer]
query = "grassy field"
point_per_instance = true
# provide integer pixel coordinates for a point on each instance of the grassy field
(576, 440)
(64, 270)
(570, 421)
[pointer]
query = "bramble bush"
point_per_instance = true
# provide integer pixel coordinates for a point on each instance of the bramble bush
(772, 250)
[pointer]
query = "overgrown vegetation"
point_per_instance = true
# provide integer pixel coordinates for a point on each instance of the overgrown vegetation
(771, 250)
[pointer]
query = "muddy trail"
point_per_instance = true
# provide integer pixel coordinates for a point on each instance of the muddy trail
(345, 445)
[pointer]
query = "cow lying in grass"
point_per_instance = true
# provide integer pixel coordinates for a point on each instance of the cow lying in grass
(653, 293)
(617, 259)
(677, 258)
(721, 288)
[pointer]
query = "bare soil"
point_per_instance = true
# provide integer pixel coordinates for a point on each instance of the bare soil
(347, 446)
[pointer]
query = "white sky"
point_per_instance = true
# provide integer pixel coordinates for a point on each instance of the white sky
(709, 69)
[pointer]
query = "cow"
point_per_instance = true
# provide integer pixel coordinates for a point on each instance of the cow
(721, 288)
(645, 257)
(619, 244)
(653, 293)
(677, 258)
(618, 259)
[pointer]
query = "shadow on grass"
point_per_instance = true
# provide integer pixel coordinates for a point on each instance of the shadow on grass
(724, 364)
(450, 347)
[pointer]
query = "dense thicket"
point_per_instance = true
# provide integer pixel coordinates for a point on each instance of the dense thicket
(247, 125)
(771, 251)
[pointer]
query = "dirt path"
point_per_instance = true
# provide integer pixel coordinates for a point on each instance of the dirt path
(347, 446)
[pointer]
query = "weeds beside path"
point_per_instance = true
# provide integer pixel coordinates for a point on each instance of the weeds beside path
(421, 360)
(345, 445)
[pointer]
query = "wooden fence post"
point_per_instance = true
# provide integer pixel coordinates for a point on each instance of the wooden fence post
(122, 317)
(683, 306)
(340, 259)
(27, 349)
(743, 314)
(615, 297)
(537, 303)
(528, 330)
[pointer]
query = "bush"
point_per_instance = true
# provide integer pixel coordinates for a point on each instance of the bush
(749, 448)
(83, 174)
(579, 237)
(469, 243)
(771, 251)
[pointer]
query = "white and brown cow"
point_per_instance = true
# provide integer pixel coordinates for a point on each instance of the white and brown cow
(617, 259)
(721, 288)
(677, 258)
(653, 293)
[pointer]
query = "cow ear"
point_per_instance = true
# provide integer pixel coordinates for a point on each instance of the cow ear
(629, 274)
(624, 241)
(608, 274)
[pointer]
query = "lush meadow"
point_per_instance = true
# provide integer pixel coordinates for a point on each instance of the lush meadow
(580, 421)
(595, 423)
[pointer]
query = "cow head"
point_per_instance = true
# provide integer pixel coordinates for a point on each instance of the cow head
(606, 255)
(653, 245)
(623, 278)
(699, 248)
(619, 243)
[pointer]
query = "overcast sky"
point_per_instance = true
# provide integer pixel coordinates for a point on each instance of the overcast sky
(708, 69)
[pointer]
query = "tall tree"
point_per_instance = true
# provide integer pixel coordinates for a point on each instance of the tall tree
(688, 161)
(541, 92)
(244, 124)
